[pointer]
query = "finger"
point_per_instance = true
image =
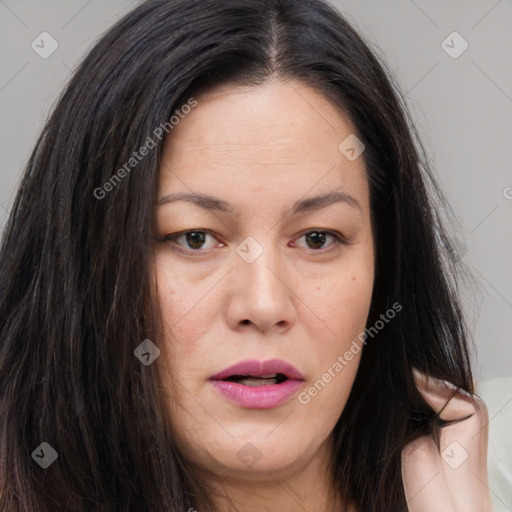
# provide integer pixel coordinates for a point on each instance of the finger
(449, 402)
(424, 485)
(463, 442)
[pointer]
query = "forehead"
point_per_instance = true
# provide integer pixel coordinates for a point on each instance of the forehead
(279, 138)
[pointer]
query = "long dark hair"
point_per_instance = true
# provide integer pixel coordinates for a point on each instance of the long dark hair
(75, 278)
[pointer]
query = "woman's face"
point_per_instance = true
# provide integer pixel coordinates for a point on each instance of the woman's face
(278, 265)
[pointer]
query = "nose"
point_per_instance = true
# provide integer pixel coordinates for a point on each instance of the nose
(261, 295)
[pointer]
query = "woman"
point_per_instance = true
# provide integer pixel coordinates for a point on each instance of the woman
(225, 285)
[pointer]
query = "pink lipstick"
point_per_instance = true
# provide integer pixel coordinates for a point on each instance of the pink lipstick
(257, 384)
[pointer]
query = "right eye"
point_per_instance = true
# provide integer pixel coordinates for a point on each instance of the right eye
(190, 241)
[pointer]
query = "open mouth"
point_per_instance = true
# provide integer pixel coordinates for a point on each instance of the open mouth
(254, 384)
(263, 380)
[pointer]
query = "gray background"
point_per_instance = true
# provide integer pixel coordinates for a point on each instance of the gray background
(462, 108)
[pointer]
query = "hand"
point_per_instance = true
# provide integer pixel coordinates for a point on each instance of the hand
(453, 479)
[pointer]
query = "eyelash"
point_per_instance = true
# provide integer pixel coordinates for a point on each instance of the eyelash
(171, 239)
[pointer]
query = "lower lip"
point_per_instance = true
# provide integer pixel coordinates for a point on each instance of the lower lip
(257, 397)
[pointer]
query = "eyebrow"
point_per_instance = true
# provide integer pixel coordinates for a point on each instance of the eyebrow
(302, 205)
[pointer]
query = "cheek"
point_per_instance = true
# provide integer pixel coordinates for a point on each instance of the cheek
(343, 306)
(187, 313)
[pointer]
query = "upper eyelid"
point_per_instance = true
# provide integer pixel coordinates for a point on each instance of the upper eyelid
(173, 236)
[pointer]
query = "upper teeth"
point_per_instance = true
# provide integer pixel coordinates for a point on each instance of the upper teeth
(269, 376)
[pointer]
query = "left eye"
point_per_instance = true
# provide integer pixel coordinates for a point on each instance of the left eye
(317, 239)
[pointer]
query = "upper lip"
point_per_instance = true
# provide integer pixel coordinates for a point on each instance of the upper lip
(258, 368)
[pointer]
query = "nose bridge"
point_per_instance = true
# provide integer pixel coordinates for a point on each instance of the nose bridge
(262, 296)
(258, 267)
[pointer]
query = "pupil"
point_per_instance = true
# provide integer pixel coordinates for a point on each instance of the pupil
(316, 238)
(195, 237)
